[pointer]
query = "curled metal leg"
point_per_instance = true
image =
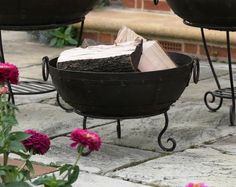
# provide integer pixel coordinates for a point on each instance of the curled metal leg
(118, 129)
(45, 68)
(232, 115)
(11, 98)
(232, 108)
(61, 105)
(169, 139)
(196, 70)
(208, 100)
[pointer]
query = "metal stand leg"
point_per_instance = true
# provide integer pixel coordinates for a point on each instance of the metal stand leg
(169, 139)
(60, 105)
(81, 32)
(232, 108)
(10, 94)
(85, 122)
(213, 98)
(118, 129)
(2, 59)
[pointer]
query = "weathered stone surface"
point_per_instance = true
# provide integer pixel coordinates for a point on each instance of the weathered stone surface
(189, 123)
(221, 69)
(109, 158)
(91, 180)
(197, 165)
(226, 146)
(51, 119)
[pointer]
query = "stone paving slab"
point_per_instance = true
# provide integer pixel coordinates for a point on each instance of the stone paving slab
(91, 180)
(221, 69)
(190, 125)
(22, 51)
(51, 119)
(193, 165)
(226, 146)
(109, 158)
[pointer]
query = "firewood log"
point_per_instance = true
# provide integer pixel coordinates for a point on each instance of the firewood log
(122, 57)
(153, 58)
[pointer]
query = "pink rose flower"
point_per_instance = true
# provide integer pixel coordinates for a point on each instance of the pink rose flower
(39, 143)
(3, 90)
(85, 138)
(196, 185)
(8, 72)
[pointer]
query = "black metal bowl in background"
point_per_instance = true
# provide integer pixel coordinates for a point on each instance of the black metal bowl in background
(43, 12)
(215, 13)
(122, 95)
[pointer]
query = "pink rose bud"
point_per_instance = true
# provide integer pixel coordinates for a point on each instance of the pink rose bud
(8, 72)
(38, 143)
(85, 138)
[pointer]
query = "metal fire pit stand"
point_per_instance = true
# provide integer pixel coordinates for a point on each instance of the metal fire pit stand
(118, 128)
(33, 87)
(221, 93)
(118, 119)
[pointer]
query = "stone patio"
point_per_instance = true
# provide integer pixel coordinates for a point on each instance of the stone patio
(205, 152)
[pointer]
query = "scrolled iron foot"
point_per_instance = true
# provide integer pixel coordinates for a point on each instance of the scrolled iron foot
(169, 139)
(45, 68)
(232, 116)
(212, 100)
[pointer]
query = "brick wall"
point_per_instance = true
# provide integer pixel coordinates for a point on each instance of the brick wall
(145, 5)
(218, 52)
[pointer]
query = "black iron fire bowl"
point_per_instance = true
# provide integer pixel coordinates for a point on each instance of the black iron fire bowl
(124, 95)
(27, 14)
(212, 13)
(121, 95)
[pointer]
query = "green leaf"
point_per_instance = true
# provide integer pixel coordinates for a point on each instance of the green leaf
(64, 168)
(18, 136)
(50, 181)
(57, 34)
(60, 43)
(22, 154)
(17, 184)
(16, 146)
(53, 42)
(72, 41)
(68, 30)
(30, 166)
(72, 177)
(2, 173)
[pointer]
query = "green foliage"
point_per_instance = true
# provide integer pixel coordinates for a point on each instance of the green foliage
(10, 143)
(70, 172)
(63, 36)
(15, 184)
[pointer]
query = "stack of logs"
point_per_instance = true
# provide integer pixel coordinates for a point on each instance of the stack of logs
(129, 53)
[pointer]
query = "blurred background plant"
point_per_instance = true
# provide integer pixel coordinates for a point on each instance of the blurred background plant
(62, 36)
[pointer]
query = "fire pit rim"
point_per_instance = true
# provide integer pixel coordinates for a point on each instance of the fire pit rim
(123, 73)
